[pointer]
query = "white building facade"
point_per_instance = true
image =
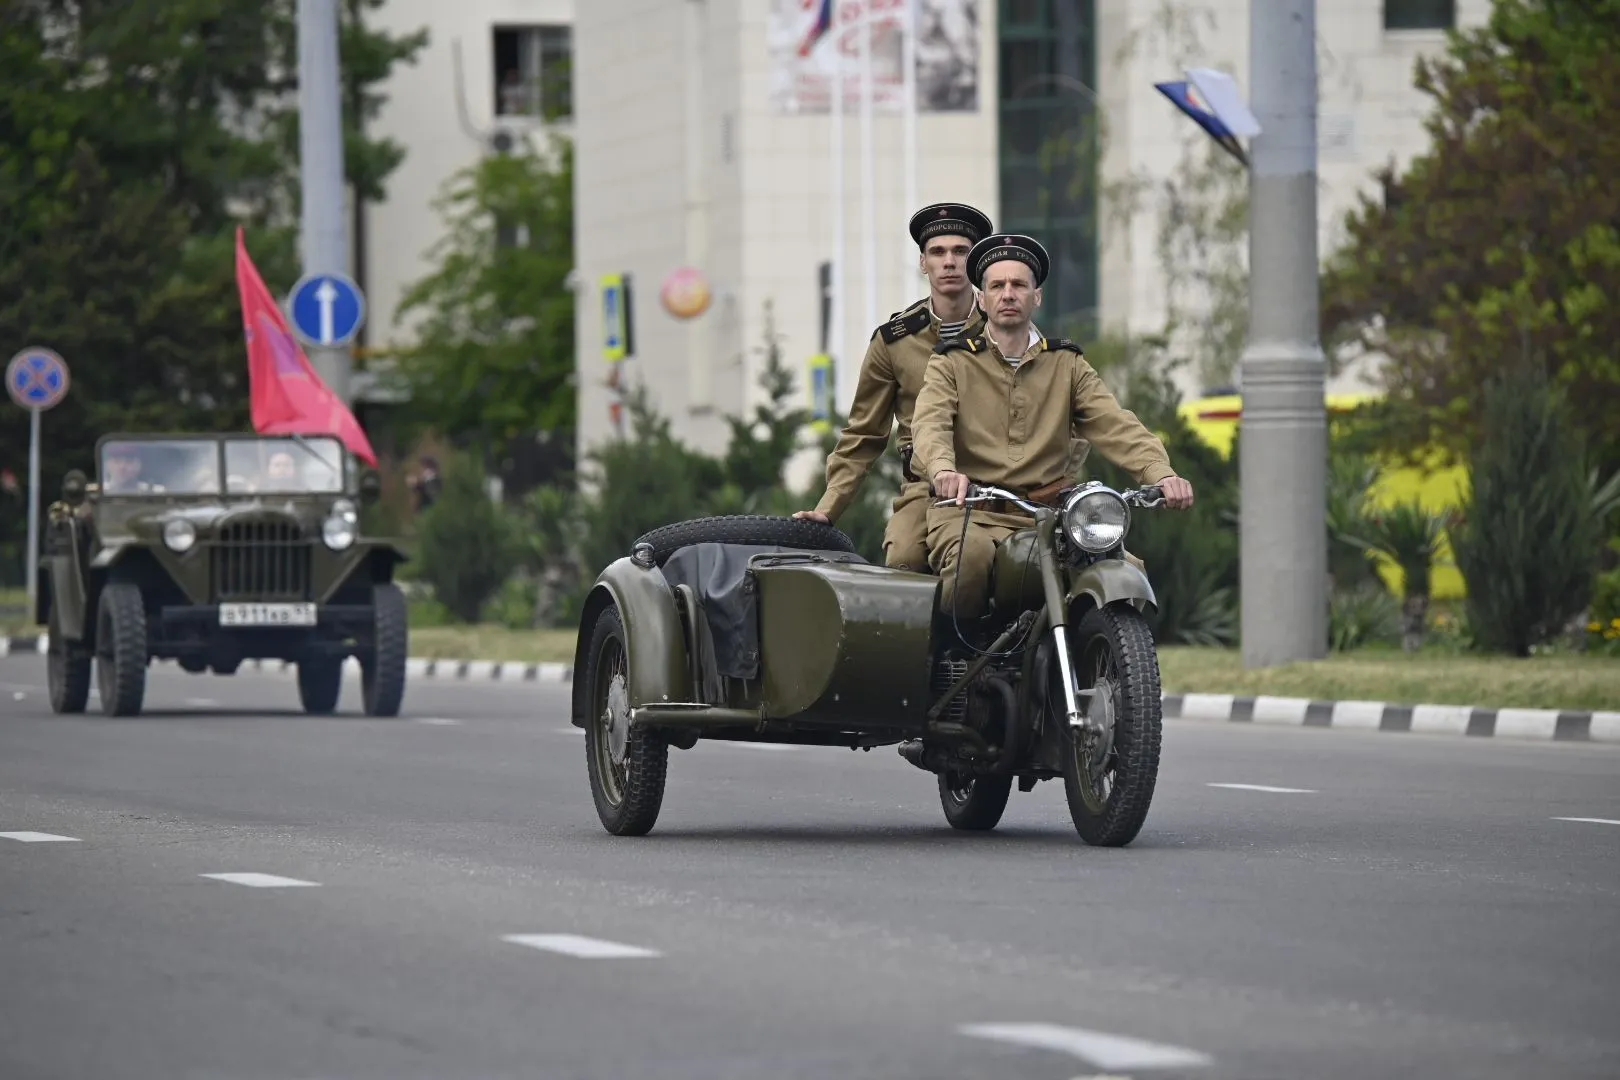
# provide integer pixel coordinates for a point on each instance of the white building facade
(492, 70)
(713, 149)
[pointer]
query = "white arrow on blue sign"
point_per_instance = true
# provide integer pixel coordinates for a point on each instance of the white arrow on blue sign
(326, 309)
(37, 379)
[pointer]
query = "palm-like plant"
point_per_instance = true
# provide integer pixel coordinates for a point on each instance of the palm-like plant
(1410, 536)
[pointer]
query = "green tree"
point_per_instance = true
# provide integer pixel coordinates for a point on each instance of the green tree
(466, 542)
(134, 136)
(494, 353)
(1529, 533)
(1501, 244)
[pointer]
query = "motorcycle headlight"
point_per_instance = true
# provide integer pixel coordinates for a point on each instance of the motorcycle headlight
(337, 533)
(1096, 520)
(179, 535)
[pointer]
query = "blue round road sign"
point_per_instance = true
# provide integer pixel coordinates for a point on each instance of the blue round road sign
(326, 309)
(37, 379)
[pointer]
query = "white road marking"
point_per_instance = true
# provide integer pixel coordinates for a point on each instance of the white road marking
(1267, 787)
(583, 947)
(40, 838)
(1590, 820)
(201, 703)
(436, 721)
(1206, 706)
(18, 695)
(570, 731)
(1099, 1048)
(261, 881)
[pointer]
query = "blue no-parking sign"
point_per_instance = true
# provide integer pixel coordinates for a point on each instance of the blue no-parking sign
(37, 379)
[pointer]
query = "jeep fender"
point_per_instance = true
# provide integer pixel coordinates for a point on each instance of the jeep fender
(655, 641)
(1110, 581)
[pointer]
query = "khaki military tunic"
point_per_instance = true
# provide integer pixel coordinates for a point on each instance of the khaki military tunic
(1011, 425)
(885, 395)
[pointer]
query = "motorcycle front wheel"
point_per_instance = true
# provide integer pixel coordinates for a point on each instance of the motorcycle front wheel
(1109, 778)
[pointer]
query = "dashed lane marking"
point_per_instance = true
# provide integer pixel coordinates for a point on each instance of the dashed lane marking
(1269, 788)
(436, 721)
(1590, 820)
(262, 881)
(1100, 1049)
(583, 947)
(39, 838)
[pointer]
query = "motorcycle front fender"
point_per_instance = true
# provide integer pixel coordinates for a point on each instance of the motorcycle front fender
(1109, 581)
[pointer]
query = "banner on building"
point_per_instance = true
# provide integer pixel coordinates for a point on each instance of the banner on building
(806, 46)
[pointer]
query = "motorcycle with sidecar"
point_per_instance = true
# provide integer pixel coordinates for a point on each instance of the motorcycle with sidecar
(769, 629)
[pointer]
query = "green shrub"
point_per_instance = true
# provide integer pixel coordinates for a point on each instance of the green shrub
(1528, 537)
(466, 542)
(1361, 616)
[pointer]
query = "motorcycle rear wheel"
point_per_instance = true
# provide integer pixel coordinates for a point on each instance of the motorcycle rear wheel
(974, 805)
(1110, 784)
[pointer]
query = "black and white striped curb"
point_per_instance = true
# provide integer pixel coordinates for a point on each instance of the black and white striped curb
(1548, 725)
(415, 667)
(1555, 725)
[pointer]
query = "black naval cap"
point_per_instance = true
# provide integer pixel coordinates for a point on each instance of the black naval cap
(948, 219)
(1003, 246)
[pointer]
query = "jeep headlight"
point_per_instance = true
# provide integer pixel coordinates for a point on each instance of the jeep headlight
(1096, 519)
(337, 533)
(179, 535)
(345, 510)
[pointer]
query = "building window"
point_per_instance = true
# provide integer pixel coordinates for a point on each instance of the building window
(1048, 150)
(533, 71)
(1420, 14)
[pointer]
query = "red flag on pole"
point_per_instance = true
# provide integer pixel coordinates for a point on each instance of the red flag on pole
(288, 395)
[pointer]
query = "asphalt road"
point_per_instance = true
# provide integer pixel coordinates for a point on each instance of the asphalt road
(1410, 906)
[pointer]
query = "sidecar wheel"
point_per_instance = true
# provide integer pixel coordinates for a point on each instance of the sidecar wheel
(1111, 787)
(974, 805)
(627, 766)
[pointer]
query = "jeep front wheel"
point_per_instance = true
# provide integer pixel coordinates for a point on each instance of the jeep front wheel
(382, 666)
(67, 669)
(121, 649)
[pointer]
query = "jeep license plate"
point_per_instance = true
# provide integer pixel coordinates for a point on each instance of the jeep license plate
(267, 614)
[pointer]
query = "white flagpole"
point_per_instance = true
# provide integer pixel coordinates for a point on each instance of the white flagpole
(908, 73)
(843, 381)
(868, 168)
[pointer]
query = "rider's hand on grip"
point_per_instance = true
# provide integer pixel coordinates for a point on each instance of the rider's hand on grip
(951, 485)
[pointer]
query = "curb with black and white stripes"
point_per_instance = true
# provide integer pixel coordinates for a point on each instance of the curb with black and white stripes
(1547, 725)
(415, 667)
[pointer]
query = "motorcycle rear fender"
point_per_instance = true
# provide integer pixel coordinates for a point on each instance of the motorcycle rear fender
(1109, 581)
(654, 638)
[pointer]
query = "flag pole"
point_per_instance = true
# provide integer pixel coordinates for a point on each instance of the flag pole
(842, 384)
(868, 169)
(908, 75)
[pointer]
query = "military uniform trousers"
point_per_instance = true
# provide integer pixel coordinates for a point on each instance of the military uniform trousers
(905, 537)
(947, 546)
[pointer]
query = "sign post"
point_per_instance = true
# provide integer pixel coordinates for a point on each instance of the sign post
(37, 379)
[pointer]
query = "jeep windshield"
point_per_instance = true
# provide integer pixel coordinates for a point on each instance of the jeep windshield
(290, 465)
(160, 467)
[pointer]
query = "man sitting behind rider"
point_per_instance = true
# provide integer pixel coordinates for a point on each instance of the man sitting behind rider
(999, 410)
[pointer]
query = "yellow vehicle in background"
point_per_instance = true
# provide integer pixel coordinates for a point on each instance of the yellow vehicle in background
(1215, 420)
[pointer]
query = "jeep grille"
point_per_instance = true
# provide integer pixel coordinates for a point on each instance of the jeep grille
(261, 560)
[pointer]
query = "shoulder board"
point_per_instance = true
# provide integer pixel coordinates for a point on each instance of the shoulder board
(1065, 344)
(904, 323)
(969, 344)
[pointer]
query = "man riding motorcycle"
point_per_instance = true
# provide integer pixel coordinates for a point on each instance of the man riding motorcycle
(1000, 409)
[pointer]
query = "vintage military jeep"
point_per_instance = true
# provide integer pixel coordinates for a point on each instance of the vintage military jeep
(213, 549)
